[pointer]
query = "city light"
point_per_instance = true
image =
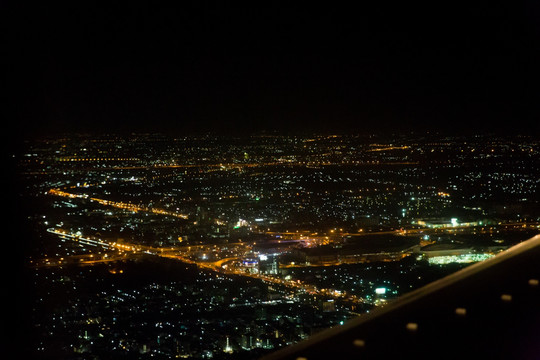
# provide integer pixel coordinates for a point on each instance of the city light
(168, 255)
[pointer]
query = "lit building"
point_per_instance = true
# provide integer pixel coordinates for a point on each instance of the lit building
(268, 264)
(444, 223)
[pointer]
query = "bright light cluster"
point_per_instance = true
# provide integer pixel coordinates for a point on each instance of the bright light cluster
(460, 259)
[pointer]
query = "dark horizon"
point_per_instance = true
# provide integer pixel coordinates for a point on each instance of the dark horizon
(195, 68)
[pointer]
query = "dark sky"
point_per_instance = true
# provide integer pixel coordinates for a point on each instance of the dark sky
(219, 66)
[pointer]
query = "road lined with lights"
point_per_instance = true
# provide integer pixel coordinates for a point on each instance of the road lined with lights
(118, 204)
(294, 284)
(213, 266)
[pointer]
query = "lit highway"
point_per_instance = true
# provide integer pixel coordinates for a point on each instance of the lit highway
(118, 204)
(216, 266)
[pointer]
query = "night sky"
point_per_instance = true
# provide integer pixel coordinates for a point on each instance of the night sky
(231, 68)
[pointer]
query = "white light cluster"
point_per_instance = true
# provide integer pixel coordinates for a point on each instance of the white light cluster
(460, 259)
